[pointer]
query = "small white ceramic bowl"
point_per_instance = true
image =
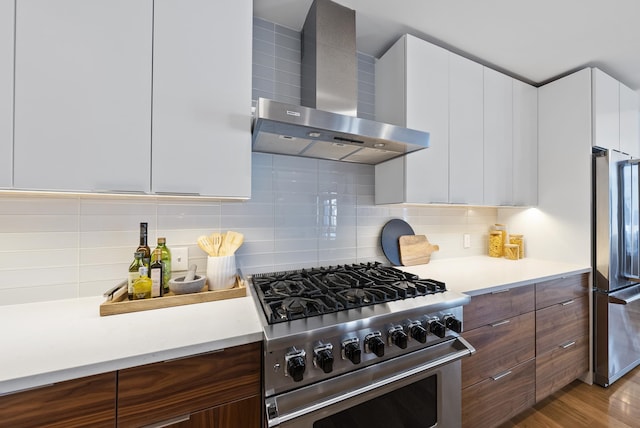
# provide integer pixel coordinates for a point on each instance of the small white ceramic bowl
(179, 286)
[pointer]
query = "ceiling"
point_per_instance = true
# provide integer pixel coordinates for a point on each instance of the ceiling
(534, 41)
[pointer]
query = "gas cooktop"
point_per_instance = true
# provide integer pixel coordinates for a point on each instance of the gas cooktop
(292, 295)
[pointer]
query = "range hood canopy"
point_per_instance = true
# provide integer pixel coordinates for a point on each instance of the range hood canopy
(326, 126)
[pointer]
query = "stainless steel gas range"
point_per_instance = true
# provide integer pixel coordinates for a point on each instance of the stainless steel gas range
(360, 345)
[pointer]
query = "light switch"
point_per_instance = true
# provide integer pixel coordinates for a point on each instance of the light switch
(466, 240)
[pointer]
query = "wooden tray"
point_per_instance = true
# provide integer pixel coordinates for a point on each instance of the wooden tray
(123, 305)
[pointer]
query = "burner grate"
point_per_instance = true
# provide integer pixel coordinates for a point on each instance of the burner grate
(311, 292)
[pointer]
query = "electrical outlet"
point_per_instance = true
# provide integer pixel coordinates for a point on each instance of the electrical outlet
(466, 240)
(179, 259)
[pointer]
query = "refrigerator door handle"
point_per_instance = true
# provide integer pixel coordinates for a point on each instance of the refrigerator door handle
(626, 296)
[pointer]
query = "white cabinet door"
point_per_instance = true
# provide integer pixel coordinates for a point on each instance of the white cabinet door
(606, 110)
(498, 138)
(465, 131)
(202, 98)
(6, 91)
(427, 171)
(83, 95)
(412, 90)
(525, 144)
(629, 122)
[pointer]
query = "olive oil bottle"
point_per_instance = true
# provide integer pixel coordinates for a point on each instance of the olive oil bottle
(142, 285)
(166, 263)
(157, 289)
(144, 247)
(134, 272)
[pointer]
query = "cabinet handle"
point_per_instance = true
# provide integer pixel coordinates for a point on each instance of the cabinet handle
(568, 345)
(568, 302)
(177, 193)
(501, 291)
(168, 422)
(500, 323)
(121, 192)
(501, 375)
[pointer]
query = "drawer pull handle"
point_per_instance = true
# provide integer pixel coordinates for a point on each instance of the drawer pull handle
(568, 345)
(168, 422)
(500, 323)
(568, 302)
(501, 375)
(501, 291)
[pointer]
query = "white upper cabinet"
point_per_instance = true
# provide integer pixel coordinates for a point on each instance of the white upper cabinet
(83, 95)
(6, 91)
(465, 131)
(482, 125)
(202, 98)
(412, 81)
(498, 138)
(616, 123)
(606, 110)
(629, 121)
(525, 144)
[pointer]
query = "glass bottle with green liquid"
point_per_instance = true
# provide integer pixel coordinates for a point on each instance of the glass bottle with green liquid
(134, 272)
(165, 258)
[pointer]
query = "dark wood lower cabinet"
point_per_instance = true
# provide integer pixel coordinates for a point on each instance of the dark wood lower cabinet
(238, 414)
(84, 402)
(168, 391)
(530, 342)
(221, 389)
(499, 398)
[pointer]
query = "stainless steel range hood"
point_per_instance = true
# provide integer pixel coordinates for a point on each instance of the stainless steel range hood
(326, 126)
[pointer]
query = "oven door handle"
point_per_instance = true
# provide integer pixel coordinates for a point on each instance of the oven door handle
(274, 419)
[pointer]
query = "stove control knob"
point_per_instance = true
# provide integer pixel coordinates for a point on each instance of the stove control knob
(352, 352)
(398, 337)
(323, 358)
(436, 327)
(373, 343)
(452, 323)
(418, 333)
(295, 364)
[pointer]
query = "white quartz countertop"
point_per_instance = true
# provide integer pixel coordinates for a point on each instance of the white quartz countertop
(483, 274)
(48, 342)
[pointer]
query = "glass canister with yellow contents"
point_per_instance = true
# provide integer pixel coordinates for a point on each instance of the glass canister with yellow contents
(511, 251)
(496, 243)
(519, 241)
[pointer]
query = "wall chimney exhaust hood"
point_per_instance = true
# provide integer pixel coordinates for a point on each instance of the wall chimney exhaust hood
(326, 126)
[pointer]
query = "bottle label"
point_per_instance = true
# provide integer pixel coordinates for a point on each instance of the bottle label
(156, 282)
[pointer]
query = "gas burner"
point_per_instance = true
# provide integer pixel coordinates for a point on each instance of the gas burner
(356, 296)
(299, 307)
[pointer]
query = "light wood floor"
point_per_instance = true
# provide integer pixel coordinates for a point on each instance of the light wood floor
(582, 405)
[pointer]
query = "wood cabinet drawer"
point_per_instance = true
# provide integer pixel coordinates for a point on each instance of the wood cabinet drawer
(495, 400)
(162, 391)
(560, 366)
(242, 413)
(499, 346)
(87, 401)
(560, 290)
(561, 323)
(492, 307)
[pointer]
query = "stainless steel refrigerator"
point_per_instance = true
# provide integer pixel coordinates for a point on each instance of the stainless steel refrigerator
(616, 294)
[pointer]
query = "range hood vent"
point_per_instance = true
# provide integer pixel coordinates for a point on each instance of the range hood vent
(326, 126)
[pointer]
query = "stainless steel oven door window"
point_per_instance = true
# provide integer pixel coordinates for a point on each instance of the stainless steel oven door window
(421, 389)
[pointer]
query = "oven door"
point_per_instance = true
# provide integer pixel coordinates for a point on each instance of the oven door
(420, 389)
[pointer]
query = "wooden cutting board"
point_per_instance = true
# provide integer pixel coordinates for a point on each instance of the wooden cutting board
(415, 250)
